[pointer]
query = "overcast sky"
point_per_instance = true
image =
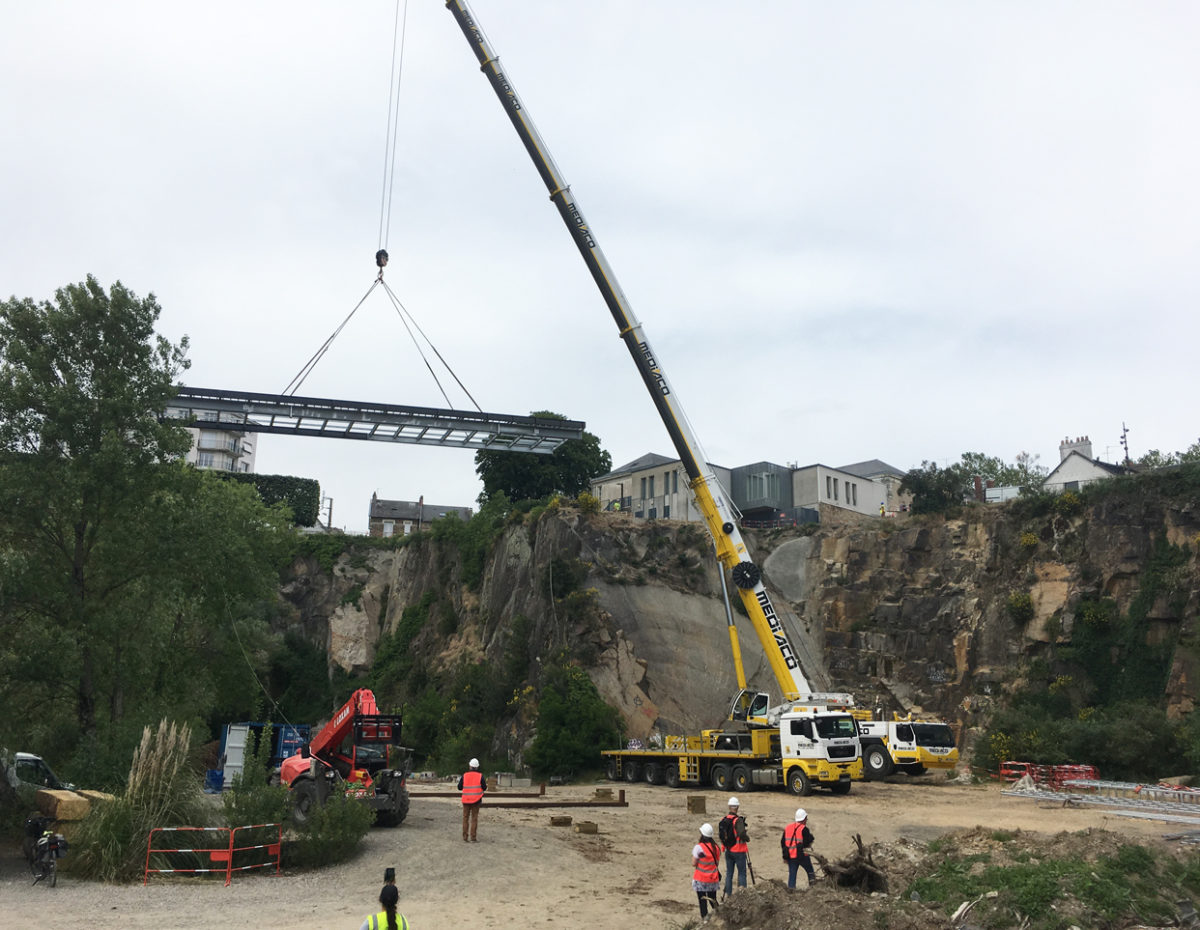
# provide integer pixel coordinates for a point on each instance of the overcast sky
(852, 231)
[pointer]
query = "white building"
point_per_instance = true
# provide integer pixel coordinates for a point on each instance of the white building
(652, 487)
(1076, 467)
(223, 450)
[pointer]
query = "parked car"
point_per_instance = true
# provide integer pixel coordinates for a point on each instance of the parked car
(24, 769)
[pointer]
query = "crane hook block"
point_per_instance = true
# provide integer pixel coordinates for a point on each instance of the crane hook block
(381, 258)
(746, 574)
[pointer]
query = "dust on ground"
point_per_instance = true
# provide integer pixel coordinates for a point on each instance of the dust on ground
(635, 871)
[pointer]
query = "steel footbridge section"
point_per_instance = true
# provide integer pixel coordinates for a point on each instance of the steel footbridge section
(282, 414)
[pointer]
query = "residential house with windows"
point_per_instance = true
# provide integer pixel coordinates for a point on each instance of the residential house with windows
(1076, 467)
(224, 450)
(400, 518)
(888, 477)
(655, 487)
(827, 490)
(651, 487)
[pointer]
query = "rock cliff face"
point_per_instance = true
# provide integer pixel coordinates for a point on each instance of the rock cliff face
(909, 614)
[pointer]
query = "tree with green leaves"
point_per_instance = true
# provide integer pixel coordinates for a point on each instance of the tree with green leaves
(521, 476)
(122, 570)
(1156, 459)
(573, 723)
(1025, 472)
(936, 490)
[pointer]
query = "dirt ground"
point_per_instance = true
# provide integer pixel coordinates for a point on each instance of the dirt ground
(523, 872)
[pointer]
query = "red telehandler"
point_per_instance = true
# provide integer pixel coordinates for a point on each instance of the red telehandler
(358, 753)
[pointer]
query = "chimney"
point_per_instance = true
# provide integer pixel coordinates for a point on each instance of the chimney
(1080, 444)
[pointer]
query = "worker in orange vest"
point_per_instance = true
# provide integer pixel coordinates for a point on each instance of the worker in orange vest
(797, 837)
(472, 786)
(706, 873)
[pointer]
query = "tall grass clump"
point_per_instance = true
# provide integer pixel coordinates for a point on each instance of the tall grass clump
(161, 791)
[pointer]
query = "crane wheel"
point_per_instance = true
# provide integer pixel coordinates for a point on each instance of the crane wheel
(671, 774)
(720, 776)
(876, 762)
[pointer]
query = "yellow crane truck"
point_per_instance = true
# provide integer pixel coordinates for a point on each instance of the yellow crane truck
(807, 739)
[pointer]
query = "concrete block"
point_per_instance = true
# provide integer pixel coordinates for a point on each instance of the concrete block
(695, 804)
(586, 826)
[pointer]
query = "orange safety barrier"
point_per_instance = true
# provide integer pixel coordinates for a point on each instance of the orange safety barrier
(221, 851)
(1054, 776)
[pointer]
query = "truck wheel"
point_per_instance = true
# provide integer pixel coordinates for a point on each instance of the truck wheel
(610, 768)
(798, 782)
(739, 779)
(876, 762)
(633, 771)
(671, 774)
(653, 773)
(840, 787)
(913, 768)
(305, 797)
(719, 775)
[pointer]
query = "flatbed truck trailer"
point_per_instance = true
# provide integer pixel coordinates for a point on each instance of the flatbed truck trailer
(813, 746)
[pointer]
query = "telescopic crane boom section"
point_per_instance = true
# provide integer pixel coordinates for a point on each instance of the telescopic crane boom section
(718, 512)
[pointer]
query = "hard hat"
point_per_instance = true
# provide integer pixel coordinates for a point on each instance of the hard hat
(706, 829)
(801, 814)
(733, 802)
(474, 763)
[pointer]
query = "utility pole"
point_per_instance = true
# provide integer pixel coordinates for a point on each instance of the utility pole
(1125, 440)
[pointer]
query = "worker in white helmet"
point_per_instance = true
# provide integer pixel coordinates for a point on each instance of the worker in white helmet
(736, 840)
(472, 785)
(706, 870)
(797, 838)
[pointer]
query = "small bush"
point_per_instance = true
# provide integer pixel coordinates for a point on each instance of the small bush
(1068, 503)
(334, 832)
(1020, 607)
(588, 503)
(1029, 540)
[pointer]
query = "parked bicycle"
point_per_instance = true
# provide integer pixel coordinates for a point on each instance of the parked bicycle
(43, 848)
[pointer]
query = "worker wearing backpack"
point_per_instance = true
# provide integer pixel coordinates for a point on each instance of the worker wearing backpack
(736, 840)
(797, 837)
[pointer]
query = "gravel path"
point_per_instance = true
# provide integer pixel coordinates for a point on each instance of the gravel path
(525, 873)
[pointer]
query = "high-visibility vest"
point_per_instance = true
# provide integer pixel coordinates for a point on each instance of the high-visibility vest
(793, 839)
(472, 791)
(706, 865)
(738, 844)
(379, 921)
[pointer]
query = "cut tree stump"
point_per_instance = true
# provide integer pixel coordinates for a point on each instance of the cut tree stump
(858, 870)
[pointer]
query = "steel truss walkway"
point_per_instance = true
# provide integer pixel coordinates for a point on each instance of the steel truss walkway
(286, 415)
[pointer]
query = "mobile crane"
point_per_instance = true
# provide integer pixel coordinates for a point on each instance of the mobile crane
(808, 738)
(353, 754)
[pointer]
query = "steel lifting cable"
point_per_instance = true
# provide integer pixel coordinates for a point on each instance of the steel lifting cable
(306, 369)
(393, 128)
(399, 33)
(405, 319)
